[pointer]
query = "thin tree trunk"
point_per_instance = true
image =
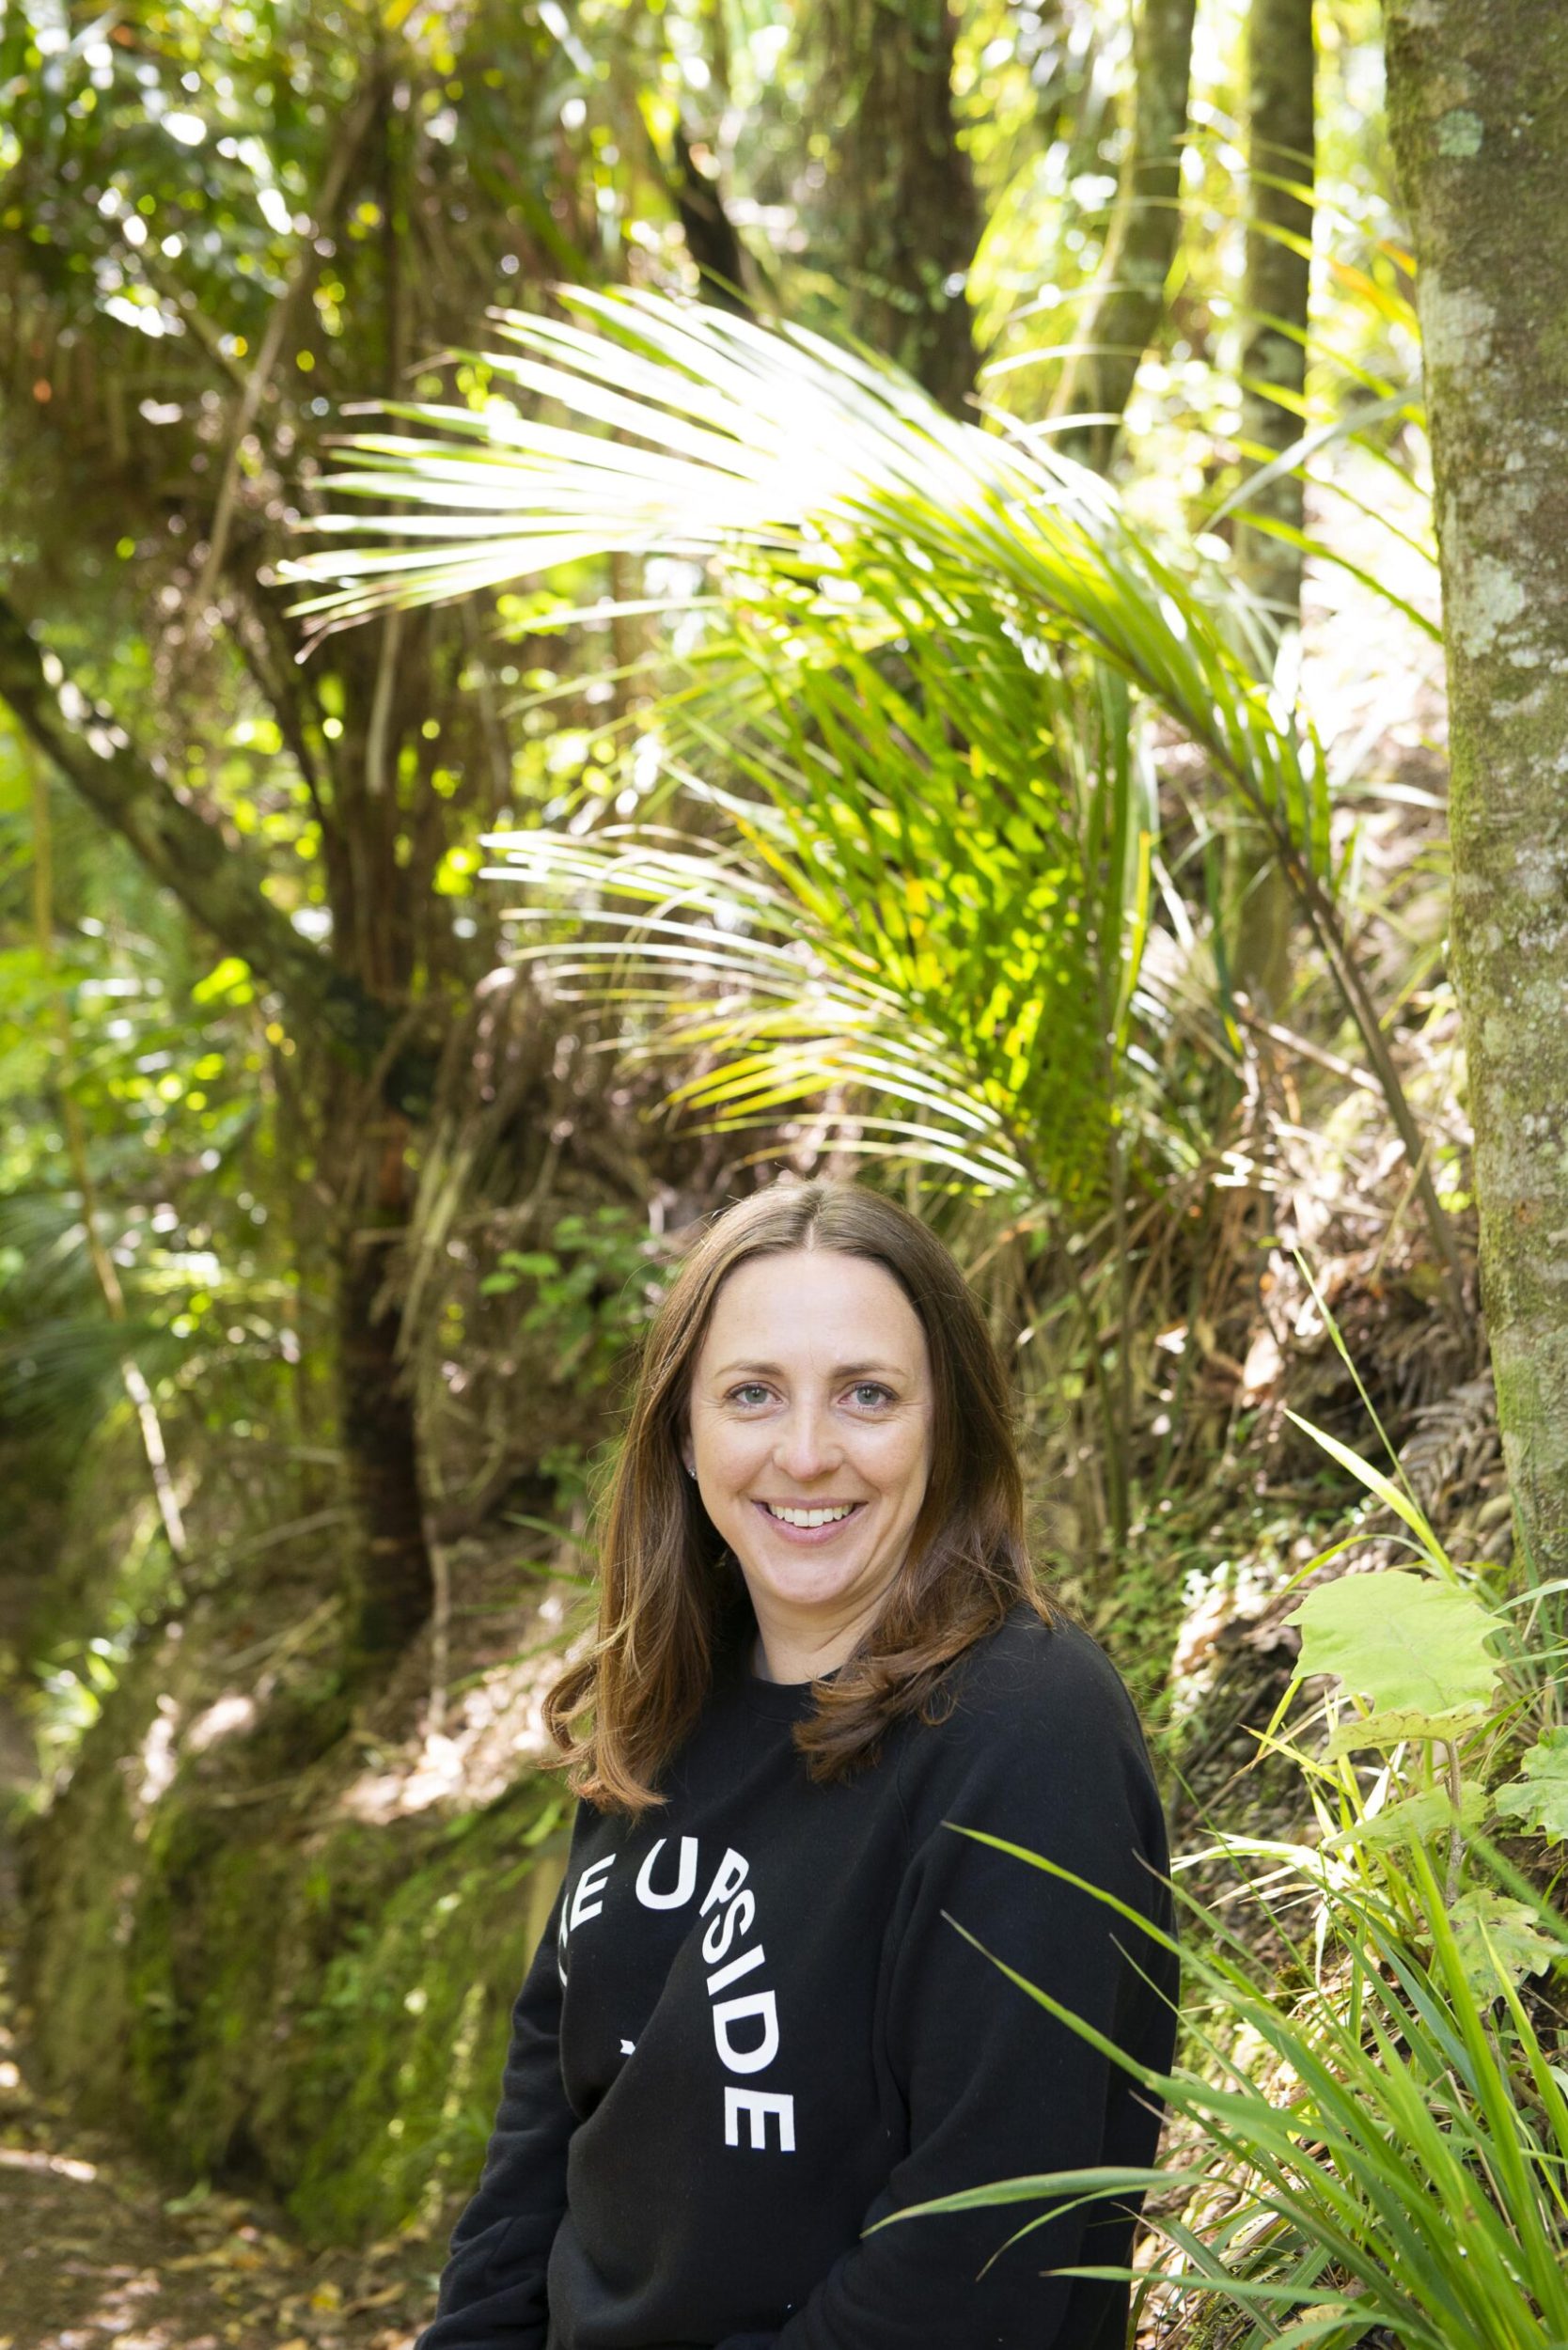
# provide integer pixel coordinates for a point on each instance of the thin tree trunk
(392, 1571)
(895, 217)
(1477, 93)
(1122, 316)
(1280, 61)
(712, 238)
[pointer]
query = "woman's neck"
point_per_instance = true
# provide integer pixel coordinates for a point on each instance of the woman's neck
(788, 1656)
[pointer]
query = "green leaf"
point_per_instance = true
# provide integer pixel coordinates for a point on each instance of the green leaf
(1414, 1818)
(228, 982)
(1517, 1948)
(1391, 1727)
(537, 1262)
(1408, 1643)
(1539, 1796)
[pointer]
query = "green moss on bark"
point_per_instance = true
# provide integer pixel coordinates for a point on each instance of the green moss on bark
(1479, 111)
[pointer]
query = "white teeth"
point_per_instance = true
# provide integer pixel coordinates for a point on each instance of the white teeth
(808, 1517)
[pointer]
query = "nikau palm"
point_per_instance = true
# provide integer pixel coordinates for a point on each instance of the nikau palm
(919, 706)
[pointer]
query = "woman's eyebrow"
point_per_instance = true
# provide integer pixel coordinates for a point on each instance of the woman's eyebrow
(839, 1370)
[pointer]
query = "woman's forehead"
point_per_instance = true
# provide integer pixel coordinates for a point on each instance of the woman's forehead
(842, 1313)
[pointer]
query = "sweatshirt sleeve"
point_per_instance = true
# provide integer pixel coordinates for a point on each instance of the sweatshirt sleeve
(491, 2291)
(995, 2086)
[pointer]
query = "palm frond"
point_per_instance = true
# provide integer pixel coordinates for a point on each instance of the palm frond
(736, 443)
(922, 707)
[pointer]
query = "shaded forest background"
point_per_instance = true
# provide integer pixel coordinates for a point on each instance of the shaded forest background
(1162, 892)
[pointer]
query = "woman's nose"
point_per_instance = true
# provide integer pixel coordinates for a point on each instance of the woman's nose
(806, 1446)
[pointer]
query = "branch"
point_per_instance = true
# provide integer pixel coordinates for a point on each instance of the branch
(217, 880)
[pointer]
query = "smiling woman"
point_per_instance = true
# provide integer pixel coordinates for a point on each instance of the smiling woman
(751, 2036)
(812, 1468)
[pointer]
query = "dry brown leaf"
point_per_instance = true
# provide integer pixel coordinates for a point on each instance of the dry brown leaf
(376, 2300)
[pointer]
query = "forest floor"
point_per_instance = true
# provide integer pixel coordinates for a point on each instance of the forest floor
(94, 2249)
(96, 2252)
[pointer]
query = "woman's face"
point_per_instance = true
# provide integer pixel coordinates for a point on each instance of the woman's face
(811, 1417)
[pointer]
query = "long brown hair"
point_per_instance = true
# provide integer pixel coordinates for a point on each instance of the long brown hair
(671, 1593)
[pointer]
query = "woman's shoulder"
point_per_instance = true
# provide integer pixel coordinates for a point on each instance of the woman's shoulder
(1036, 1685)
(1040, 1753)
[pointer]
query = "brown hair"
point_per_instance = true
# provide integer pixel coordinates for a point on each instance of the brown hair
(671, 1593)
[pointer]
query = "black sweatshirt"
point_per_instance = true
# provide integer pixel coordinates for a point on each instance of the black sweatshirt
(753, 2028)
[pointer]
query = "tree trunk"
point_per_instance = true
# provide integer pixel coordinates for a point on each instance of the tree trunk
(1479, 110)
(391, 1570)
(712, 238)
(895, 218)
(1124, 314)
(1281, 60)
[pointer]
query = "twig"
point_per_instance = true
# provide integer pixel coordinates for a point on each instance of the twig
(441, 1624)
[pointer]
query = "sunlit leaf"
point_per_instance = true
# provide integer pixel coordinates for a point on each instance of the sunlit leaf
(1428, 1812)
(1413, 1647)
(1539, 1797)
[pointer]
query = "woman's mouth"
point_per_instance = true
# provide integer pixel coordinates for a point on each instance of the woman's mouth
(810, 1523)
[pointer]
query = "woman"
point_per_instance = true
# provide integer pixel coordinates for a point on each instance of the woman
(766, 2013)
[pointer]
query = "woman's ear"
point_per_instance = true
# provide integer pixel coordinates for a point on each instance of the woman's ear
(688, 1453)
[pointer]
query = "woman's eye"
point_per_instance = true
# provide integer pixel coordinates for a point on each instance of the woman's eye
(752, 1391)
(873, 1388)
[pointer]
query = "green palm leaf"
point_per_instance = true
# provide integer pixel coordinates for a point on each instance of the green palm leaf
(920, 705)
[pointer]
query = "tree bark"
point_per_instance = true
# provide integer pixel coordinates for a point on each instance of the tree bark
(1123, 313)
(391, 1568)
(1281, 135)
(1280, 147)
(896, 218)
(1478, 111)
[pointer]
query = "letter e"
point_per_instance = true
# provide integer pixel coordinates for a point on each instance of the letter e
(757, 2104)
(591, 1883)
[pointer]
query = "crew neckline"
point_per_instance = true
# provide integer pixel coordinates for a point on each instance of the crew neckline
(784, 1701)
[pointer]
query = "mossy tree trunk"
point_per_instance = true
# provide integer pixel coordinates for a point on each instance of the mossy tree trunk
(1281, 138)
(1478, 111)
(892, 209)
(1122, 317)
